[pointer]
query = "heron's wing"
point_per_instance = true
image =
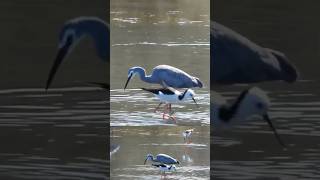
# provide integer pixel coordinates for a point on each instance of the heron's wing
(247, 62)
(173, 77)
(166, 159)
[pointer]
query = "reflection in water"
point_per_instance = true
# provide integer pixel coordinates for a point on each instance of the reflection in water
(137, 142)
(58, 133)
(135, 107)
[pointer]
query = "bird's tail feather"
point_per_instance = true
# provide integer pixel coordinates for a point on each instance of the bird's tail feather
(290, 72)
(200, 85)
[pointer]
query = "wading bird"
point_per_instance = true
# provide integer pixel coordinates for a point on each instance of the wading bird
(161, 159)
(187, 135)
(235, 59)
(169, 96)
(251, 103)
(165, 75)
(76, 29)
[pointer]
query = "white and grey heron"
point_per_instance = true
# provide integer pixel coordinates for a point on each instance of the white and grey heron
(165, 75)
(161, 159)
(236, 59)
(73, 31)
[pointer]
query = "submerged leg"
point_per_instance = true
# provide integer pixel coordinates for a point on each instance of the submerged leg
(155, 110)
(164, 111)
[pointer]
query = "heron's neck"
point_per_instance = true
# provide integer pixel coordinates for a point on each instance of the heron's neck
(99, 31)
(142, 74)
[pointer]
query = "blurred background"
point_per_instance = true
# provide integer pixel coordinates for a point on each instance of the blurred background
(249, 151)
(62, 133)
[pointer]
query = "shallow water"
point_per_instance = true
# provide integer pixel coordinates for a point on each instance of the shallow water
(251, 151)
(149, 33)
(57, 134)
(135, 107)
(136, 142)
(173, 34)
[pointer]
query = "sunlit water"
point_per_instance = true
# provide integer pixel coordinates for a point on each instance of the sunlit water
(250, 150)
(151, 33)
(136, 142)
(136, 107)
(57, 134)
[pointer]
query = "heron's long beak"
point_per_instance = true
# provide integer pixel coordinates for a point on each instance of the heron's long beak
(266, 117)
(195, 102)
(145, 161)
(125, 86)
(63, 51)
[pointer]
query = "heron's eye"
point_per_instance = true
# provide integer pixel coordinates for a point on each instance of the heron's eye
(259, 105)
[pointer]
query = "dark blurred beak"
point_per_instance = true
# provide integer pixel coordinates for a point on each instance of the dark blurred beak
(125, 86)
(63, 51)
(266, 117)
(195, 102)
(145, 161)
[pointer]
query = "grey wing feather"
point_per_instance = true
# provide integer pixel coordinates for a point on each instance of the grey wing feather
(247, 62)
(166, 159)
(174, 77)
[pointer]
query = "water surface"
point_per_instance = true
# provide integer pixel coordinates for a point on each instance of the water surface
(57, 134)
(135, 107)
(136, 142)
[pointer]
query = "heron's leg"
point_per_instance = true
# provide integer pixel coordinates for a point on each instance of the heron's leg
(158, 107)
(164, 111)
(171, 112)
